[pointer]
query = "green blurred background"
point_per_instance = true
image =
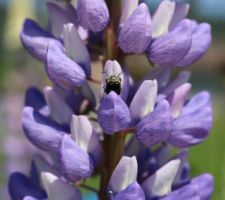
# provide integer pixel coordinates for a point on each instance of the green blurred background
(18, 71)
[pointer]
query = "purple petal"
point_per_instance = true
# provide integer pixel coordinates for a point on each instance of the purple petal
(61, 69)
(201, 40)
(34, 98)
(160, 74)
(194, 123)
(76, 48)
(170, 48)
(132, 192)
(113, 113)
(74, 162)
(135, 32)
(205, 185)
(71, 97)
(179, 80)
(42, 165)
(92, 15)
(21, 186)
(60, 15)
(155, 127)
(188, 192)
(180, 12)
(41, 132)
(35, 39)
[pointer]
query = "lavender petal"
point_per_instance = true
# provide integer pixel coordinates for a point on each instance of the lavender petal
(170, 48)
(41, 131)
(135, 32)
(63, 70)
(156, 126)
(92, 15)
(194, 123)
(113, 113)
(74, 162)
(201, 40)
(132, 192)
(35, 39)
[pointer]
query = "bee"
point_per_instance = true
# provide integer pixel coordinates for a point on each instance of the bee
(113, 83)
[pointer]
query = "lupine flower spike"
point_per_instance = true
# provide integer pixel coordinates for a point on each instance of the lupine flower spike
(114, 128)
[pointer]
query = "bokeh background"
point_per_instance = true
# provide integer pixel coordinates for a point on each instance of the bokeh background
(18, 71)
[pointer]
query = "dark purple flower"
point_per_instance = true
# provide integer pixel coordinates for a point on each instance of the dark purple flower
(20, 186)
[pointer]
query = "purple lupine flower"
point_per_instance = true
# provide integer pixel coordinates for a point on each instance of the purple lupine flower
(35, 39)
(158, 36)
(122, 184)
(21, 186)
(198, 114)
(135, 32)
(112, 136)
(92, 15)
(41, 131)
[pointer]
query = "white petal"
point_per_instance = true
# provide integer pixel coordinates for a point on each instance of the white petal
(75, 47)
(128, 6)
(59, 110)
(144, 100)
(178, 99)
(81, 131)
(162, 18)
(160, 183)
(124, 174)
(58, 189)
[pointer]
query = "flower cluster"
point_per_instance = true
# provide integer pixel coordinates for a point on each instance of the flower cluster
(127, 133)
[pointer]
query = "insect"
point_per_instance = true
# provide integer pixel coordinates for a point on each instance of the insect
(112, 83)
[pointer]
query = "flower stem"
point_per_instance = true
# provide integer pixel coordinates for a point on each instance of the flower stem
(113, 149)
(113, 145)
